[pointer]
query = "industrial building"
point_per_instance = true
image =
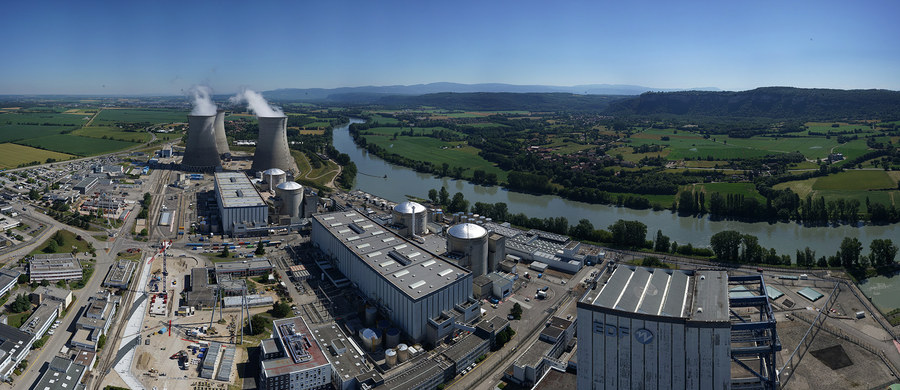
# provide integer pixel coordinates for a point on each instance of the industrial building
(543, 354)
(555, 250)
(200, 152)
(41, 319)
(273, 177)
(119, 274)
(241, 207)
(250, 267)
(468, 243)
(14, 347)
(53, 267)
(86, 185)
(61, 373)
(418, 291)
(8, 279)
(409, 218)
(51, 293)
(95, 320)
(671, 329)
(201, 293)
(272, 149)
(293, 359)
(290, 199)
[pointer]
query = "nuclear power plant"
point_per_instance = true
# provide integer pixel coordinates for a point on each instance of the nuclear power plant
(272, 149)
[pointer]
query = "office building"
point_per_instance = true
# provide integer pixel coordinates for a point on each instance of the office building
(293, 359)
(53, 267)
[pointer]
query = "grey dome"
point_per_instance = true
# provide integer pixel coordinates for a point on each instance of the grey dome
(289, 186)
(467, 231)
(409, 208)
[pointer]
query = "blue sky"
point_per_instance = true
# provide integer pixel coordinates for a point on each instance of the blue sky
(164, 47)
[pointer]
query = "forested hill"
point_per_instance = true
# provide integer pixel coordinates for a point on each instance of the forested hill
(484, 101)
(771, 102)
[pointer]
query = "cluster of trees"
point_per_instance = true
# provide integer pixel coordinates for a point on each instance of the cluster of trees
(20, 304)
(503, 337)
(516, 311)
(55, 243)
(280, 309)
(733, 247)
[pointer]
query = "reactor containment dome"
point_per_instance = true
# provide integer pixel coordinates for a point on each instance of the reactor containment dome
(471, 242)
(412, 215)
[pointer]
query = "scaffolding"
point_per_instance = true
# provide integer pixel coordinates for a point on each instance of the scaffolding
(754, 339)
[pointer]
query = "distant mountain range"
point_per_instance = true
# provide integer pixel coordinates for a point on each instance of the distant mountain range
(372, 93)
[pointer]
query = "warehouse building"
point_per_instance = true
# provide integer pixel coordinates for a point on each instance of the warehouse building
(417, 290)
(241, 207)
(671, 329)
(53, 267)
(293, 359)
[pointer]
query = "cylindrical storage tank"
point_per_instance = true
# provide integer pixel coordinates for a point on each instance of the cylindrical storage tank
(291, 194)
(390, 357)
(371, 311)
(412, 215)
(272, 149)
(472, 241)
(200, 152)
(273, 177)
(221, 139)
(402, 352)
(369, 338)
(392, 337)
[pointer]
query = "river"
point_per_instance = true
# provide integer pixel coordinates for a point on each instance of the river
(786, 238)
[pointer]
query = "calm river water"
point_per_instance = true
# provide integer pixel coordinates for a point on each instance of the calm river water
(784, 237)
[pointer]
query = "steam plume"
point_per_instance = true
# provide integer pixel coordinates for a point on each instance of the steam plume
(202, 102)
(257, 103)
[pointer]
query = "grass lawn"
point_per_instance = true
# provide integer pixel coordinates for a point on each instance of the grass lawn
(68, 242)
(685, 144)
(17, 319)
(811, 147)
(825, 127)
(851, 150)
(383, 120)
(856, 180)
(73, 144)
(321, 176)
(11, 155)
(437, 152)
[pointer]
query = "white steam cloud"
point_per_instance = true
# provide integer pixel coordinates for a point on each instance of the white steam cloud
(203, 104)
(257, 103)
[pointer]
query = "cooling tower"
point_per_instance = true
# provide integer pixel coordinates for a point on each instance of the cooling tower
(291, 195)
(272, 148)
(200, 154)
(221, 140)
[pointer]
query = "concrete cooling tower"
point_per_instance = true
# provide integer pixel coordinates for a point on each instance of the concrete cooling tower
(200, 153)
(221, 140)
(272, 147)
(470, 240)
(291, 195)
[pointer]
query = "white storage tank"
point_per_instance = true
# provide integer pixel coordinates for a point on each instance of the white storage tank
(291, 195)
(403, 352)
(370, 338)
(390, 358)
(411, 214)
(273, 177)
(471, 241)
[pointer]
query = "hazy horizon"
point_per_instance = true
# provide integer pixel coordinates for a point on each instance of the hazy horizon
(163, 48)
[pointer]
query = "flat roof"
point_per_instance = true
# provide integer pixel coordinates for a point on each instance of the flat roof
(45, 312)
(61, 374)
(348, 364)
(256, 263)
(694, 295)
(773, 292)
(411, 268)
(56, 262)
(13, 341)
(301, 353)
(236, 190)
(120, 272)
(811, 294)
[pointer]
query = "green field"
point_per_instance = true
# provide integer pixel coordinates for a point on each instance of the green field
(437, 152)
(855, 181)
(108, 116)
(113, 133)
(394, 130)
(41, 118)
(10, 133)
(73, 144)
(825, 127)
(378, 119)
(690, 145)
(811, 147)
(69, 241)
(12, 155)
(851, 150)
(321, 176)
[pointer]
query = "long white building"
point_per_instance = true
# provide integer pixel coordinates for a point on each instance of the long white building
(645, 328)
(416, 289)
(241, 207)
